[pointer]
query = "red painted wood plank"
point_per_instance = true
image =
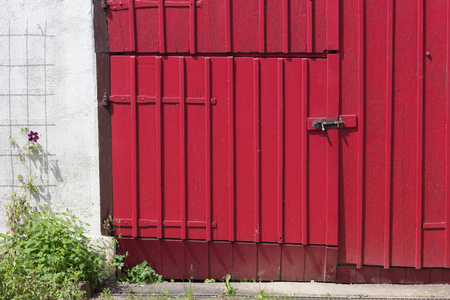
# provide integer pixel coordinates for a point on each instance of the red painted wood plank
(182, 147)
(388, 147)
(309, 26)
(446, 276)
(420, 125)
(244, 261)
(416, 276)
(393, 275)
(140, 250)
(403, 228)
(304, 132)
(231, 150)
(315, 257)
(208, 146)
(434, 225)
(221, 259)
(447, 152)
(192, 26)
(332, 159)
(269, 262)
(165, 100)
(436, 276)
(197, 260)
(330, 269)
(262, 26)
(162, 30)
(257, 148)
(158, 158)
(332, 11)
(292, 262)
(285, 26)
(361, 112)
(228, 29)
(346, 274)
(368, 275)
(173, 259)
(280, 175)
(132, 25)
(134, 153)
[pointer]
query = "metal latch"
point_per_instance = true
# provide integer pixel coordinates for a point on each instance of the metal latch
(326, 124)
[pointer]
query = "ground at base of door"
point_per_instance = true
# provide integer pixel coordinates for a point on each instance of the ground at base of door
(277, 290)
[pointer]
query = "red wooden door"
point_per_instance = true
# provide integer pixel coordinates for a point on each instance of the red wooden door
(223, 148)
(218, 154)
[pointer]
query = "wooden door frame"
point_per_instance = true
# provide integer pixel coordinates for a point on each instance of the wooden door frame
(104, 115)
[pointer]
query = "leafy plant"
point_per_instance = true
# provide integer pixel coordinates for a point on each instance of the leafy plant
(106, 294)
(140, 274)
(260, 295)
(54, 248)
(165, 292)
(230, 290)
(210, 280)
(44, 255)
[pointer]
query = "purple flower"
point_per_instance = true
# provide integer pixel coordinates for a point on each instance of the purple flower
(33, 136)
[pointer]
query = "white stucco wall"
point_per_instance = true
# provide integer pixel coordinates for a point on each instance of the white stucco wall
(69, 78)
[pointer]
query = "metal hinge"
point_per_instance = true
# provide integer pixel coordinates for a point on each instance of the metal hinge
(325, 124)
(105, 100)
(104, 4)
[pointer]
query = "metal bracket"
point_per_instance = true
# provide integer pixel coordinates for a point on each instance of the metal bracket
(326, 124)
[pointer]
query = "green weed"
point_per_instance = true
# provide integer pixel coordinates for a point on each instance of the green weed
(140, 274)
(230, 290)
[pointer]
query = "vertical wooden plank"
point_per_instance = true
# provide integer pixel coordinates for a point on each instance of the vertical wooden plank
(158, 162)
(208, 145)
(332, 25)
(419, 153)
(285, 26)
(231, 155)
(228, 28)
(304, 134)
(309, 26)
(101, 32)
(447, 152)
(104, 142)
(192, 28)
(134, 158)
(361, 86)
(182, 147)
(280, 185)
(132, 25)
(332, 152)
(257, 147)
(388, 147)
(262, 26)
(104, 117)
(162, 40)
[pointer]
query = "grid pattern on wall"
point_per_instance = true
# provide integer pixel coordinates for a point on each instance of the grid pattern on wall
(24, 98)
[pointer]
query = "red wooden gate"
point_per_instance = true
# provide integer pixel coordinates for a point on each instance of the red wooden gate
(217, 165)
(219, 148)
